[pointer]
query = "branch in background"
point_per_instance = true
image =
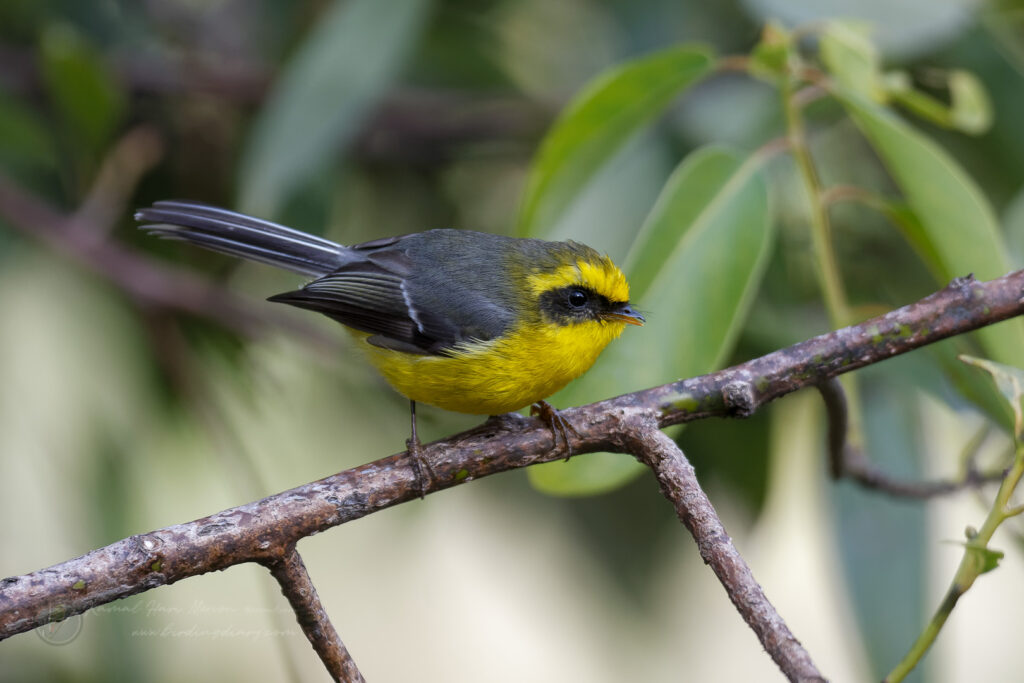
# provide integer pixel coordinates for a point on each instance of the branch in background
(135, 153)
(257, 531)
(150, 74)
(846, 461)
(297, 587)
(83, 237)
(417, 126)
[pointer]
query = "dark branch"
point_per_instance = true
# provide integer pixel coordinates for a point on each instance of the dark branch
(290, 572)
(82, 237)
(679, 484)
(845, 460)
(417, 126)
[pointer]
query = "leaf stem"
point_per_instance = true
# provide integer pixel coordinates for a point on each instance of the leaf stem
(821, 232)
(829, 278)
(976, 561)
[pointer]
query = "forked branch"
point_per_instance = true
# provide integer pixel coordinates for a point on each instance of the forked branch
(259, 531)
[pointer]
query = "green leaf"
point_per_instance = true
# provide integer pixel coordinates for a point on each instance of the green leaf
(324, 95)
(904, 218)
(985, 559)
(955, 219)
(971, 385)
(1010, 382)
(24, 140)
(88, 102)
(851, 58)
(599, 121)
(883, 543)
(1013, 227)
(900, 89)
(694, 267)
(971, 107)
(770, 57)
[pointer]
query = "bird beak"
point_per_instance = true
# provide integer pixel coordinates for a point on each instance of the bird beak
(624, 314)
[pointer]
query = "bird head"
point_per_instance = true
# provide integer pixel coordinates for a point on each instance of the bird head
(581, 287)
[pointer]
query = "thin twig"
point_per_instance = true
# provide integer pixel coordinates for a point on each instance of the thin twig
(412, 125)
(679, 484)
(977, 559)
(297, 587)
(849, 193)
(135, 153)
(148, 282)
(846, 461)
(808, 94)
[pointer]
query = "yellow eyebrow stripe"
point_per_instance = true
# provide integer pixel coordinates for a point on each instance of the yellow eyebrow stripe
(603, 277)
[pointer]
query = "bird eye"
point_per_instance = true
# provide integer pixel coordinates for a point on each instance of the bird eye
(577, 298)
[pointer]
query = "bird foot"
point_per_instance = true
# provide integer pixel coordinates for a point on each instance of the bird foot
(559, 426)
(420, 467)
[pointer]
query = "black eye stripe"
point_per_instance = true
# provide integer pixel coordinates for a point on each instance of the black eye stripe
(573, 304)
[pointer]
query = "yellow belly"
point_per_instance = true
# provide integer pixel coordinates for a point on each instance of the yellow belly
(501, 375)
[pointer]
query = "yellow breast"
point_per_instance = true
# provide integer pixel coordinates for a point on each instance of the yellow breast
(522, 367)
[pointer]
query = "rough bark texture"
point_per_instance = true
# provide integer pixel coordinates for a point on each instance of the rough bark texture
(297, 587)
(679, 484)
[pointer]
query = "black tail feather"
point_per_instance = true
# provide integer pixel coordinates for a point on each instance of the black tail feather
(239, 235)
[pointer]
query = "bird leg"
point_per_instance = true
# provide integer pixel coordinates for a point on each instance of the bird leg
(559, 426)
(419, 463)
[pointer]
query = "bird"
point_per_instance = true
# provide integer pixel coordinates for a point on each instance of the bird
(467, 321)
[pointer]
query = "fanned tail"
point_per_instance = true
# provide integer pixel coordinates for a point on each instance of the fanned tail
(239, 235)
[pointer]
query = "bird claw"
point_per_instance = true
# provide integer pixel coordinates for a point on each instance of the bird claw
(420, 466)
(559, 425)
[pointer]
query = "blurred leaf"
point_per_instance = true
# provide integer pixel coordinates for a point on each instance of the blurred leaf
(695, 267)
(609, 211)
(1013, 228)
(905, 28)
(904, 218)
(900, 88)
(325, 93)
(1010, 382)
(955, 218)
(971, 106)
(87, 101)
(1005, 21)
(982, 558)
(769, 58)
(971, 385)
(851, 58)
(988, 559)
(24, 140)
(969, 109)
(599, 121)
(883, 542)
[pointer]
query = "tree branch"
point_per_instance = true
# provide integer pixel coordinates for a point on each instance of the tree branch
(257, 531)
(848, 461)
(297, 587)
(679, 484)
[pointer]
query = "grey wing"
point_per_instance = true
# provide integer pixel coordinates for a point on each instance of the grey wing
(372, 296)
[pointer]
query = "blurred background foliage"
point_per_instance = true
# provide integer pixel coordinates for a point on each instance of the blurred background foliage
(134, 396)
